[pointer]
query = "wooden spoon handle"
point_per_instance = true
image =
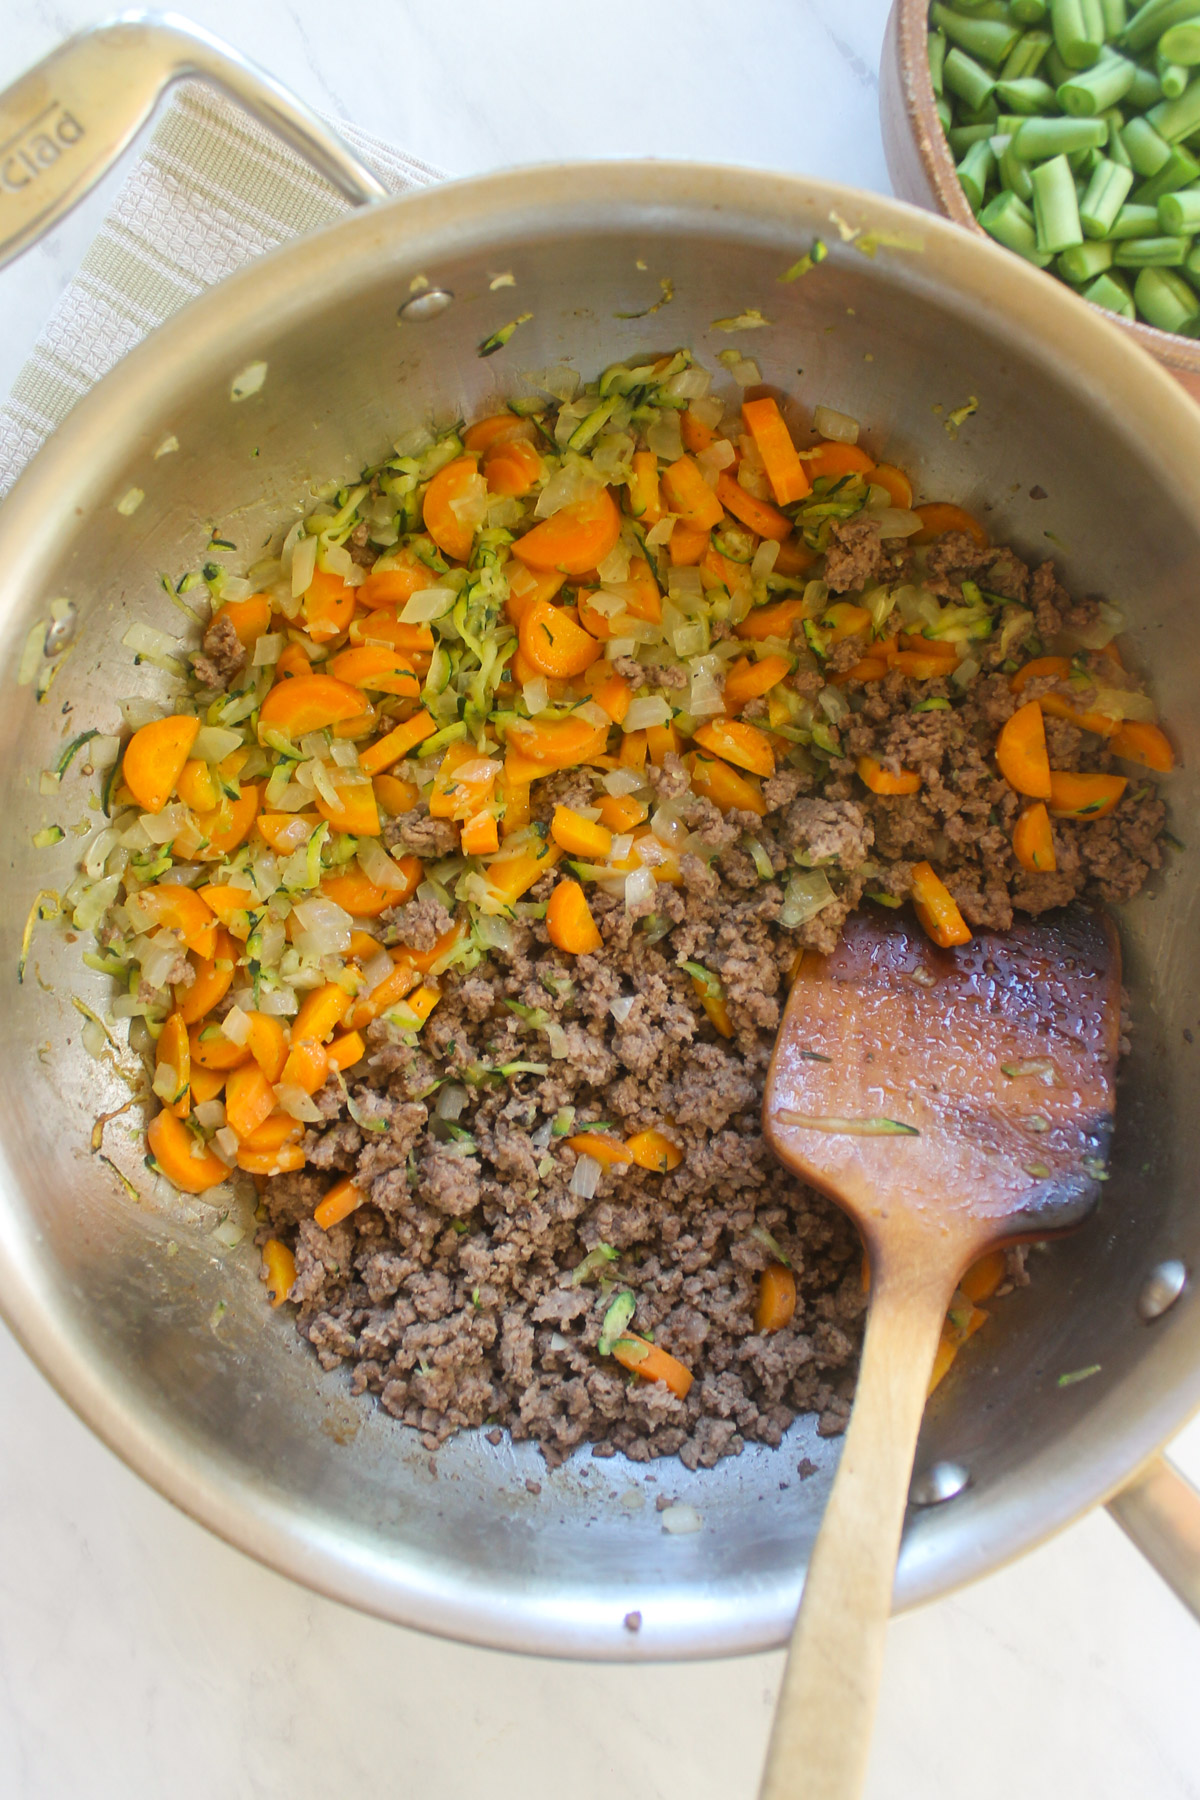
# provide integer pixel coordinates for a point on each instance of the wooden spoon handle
(822, 1733)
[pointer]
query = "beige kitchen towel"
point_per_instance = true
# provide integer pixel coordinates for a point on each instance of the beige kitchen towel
(212, 189)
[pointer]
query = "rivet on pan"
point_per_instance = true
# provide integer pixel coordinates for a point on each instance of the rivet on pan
(61, 629)
(1162, 1289)
(940, 1482)
(424, 306)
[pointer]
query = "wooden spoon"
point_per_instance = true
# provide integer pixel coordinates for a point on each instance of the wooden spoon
(950, 1101)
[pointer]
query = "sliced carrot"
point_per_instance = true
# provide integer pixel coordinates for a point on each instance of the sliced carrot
(748, 680)
(1033, 839)
(1080, 796)
(283, 1161)
(356, 811)
(868, 668)
(480, 835)
(1021, 752)
(555, 645)
(424, 960)
(527, 586)
(641, 1357)
(511, 876)
(268, 1041)
(293, 660)
(1059, 706)
(277, 1129)
(404, 576)
(374, 666)
(392, 989)
(384, 629)
(307, 1065)
(308, 703)
(913, 640)
(346, 1050)
(621, 812)
(794, 557)
(286, 832)
(984, 1277)
(453, 489)
(465, 783)
(634, 750)
(727, 788)
(844, 620)
(575, 538)
(154, 759)
(758, 514)
(396, 744)
(832, 460)
(886, 781)
(497, 428)
(171, 1145)
(645, 502)
(569, 922)
(776, 620)
(937, 908)
(249, 617)
(1138, 741)
(214, 978)
(513, 468)
(395, 795)
(1057, 666)
(736, 742)
(599, 1146)
(939, 516)
(173, 1051)
(321, 1012)
(715, 1006)
(639, 593)
(249, 1099)
(921, 665)
(232, 906)
(196, 786)
(179, 909)
(211, 1049)
(279, 1270)
(689, 544)
(895, 481)
(215, 835)
(343, 1198)
(951, 1342)
(696, 435)
(651, 1150)
(662, 741)
(689, 496)
(776, 1298)
(206, 1084)
(363, 944)
(579, 836)
(785, 472)
(610, 691)
(328, 606)
(363, 899)
(558, 743)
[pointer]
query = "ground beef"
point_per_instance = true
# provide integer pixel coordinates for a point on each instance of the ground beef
(222, 655)
(456, 1293)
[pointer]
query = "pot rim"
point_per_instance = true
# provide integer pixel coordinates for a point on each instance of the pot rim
(910, 22)
(216, 331)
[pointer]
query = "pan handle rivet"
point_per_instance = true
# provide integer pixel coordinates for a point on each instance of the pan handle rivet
(1162, 1289)
(424, 306)
(941, 1481)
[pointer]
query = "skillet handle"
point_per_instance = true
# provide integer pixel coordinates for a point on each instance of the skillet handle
(1160, 1511)
(65, 122)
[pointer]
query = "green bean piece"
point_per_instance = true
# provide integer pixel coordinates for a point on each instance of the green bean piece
(942, 108)
(1084, 164)
(1135, 222)
(1173, 77)
(974, 172)
(1181, 44)
(986, 114)
(1010, 222)
(1014, 174)
(1036, 139)
(1179, 213)
(990, 40)
(1150, 22)
(1028, 12)
(1178, 118)
(1025, 57)
(1078, 31)
(1114, 15)
(1147, 151)
(1153, 253)
(963, 76)
(1179, 171)
(1165, 299)
(1115, 149)
(1084, 262)
(1055, 206)
(937, 59)
(1091, 91)
(1106, 194)
(1110, 292)
(961, 137)
(1026, 95)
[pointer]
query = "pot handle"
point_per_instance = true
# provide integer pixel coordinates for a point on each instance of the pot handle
(1160, 1511)
(65, 122)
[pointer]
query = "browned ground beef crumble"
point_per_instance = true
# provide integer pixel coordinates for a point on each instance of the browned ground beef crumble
(450, 1293)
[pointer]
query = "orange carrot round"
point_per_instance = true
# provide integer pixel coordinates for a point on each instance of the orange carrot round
(173, 1051)
(356, 811)
(362, 899)
(308, 703)
(328, 605)
(375, 666)
(1084, 796)
(321, 1012)
(641, 1357)
(886, 781)
(695, 434)
(249, 1099)
(651, 1150)
(249, 617)
(196, 786)
(727, 788)
(759, 515)
(512, 468)
(575, 538)
(404, 576)
(1021, 752)
(940, 516)
(1033, 839)
(776, 1298)
(937, 908)
(556, 646)
(1138, 741)
(1057, 666)
(899, 487)
(458, 482)
(558, 743)
(179, 909)
(211, 1049)
(154, 759)
(833, 459)
(776, 620)
(279, 1270)
(171, 1145)
(214, 978)
(268, 1042)
(497, 428)
(737, 742)
(747, 680)
(569, 922)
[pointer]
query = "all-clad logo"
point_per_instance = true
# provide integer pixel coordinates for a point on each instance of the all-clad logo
(37, 147)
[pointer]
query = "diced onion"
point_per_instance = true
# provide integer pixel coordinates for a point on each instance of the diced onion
(690, 384)
(661, 533)
(689, 640)
(622, 781)
(764, 559)
(1121, 703)
(615, 566)
(304, 566)
(639, 887)
(427, 603)
(965, 673)
(268, 649)
(325, 927)
(296, 1103)
(236, 1025)
(451, 1101)
(594, 714)
(621, 847)
(648, 709)
(98, 853)
(495, 932)
(705, 697)
(680, 1521)
(281, 1003)
(377, 865)
(897, 522)
(210, 1114)
(622, 1006)
(536, 695)
(834, 704)
(95, 902)
(213, 743)
(166, 1081)
(664, 437)
(836, 425)
(585, 1177)
(807, 894)
(573, 482)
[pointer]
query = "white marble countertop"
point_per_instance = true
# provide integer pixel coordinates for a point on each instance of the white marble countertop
(138, 1655)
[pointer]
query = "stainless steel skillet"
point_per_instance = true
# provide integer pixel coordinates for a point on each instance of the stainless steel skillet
(148, 1327)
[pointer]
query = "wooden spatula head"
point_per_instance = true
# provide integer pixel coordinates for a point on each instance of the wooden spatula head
(962, 1095)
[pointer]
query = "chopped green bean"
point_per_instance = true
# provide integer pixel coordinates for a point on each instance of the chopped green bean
(945, 116)
(1028, 12)
(1084, 262)
(1110, 292)
(1172, 77)
(1181, 43)
(1078, 31)
(1026, 96)
(1135, 222)
(1180, 213)
(1106, 194)
(963, 76)
(1179, 171)
(1010, 222)
(961, 137)
(974, 172)
(1166, 300)
(1091, 91)
(1115, 149)
(1147, 151)
(1153, 253)
(990, 40)
(1114, 15)
(1178, 118)
(1024, 59)
(1145, 91)
(937, 59)
(1153, 19)
(1055, 206)
(1014, 174)
(1036, 139)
